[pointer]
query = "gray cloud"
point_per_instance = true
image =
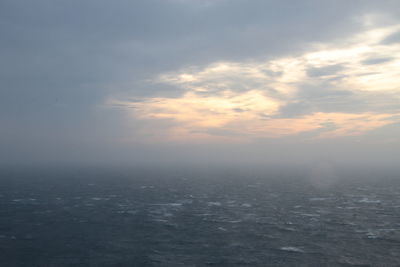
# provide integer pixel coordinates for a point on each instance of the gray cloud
(392, 39)
(296, 109)
(324, 98)
(379, 60)
(324, 71)
(60, 60)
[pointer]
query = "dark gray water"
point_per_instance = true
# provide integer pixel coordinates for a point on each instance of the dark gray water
(196, 219)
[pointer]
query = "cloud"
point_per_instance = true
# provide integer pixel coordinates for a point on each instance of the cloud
(332, 84)
(324, 71)
(197, 118)
(374, 60)
(392, 39)
(60, 60)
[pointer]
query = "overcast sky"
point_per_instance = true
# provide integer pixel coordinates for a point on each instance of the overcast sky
(180, 81)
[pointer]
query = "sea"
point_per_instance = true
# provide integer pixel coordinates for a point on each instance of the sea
(146, 216)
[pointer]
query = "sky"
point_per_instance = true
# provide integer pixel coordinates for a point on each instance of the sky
(200, 81)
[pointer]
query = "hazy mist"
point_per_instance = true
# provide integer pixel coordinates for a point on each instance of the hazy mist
(200, 82)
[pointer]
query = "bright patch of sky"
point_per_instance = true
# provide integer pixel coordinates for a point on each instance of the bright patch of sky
(330, 90)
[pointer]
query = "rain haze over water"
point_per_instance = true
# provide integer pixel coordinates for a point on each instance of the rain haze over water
(199, 133)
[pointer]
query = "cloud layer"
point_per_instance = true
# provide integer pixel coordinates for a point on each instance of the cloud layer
(134, 80)
(345, 88)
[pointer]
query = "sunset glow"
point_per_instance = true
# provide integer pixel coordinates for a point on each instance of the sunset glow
(243, 101)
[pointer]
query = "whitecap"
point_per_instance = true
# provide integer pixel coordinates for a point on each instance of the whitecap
(214, 203)
(371, 235)
(292, 249)
(367, 200)
(234, 221)
(310, 214)
(318, 199)
(172, 205)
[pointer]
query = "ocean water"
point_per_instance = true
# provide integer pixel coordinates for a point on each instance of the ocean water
(197, 218)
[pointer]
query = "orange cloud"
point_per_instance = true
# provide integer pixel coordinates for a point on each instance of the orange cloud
(234, 118)
(240, 101)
